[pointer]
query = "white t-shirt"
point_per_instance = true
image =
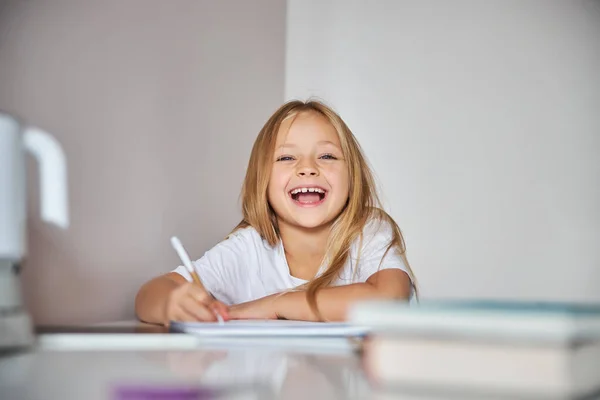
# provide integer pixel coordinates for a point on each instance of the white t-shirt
(245, 267)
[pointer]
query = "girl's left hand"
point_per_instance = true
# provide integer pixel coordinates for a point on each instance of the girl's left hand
(263, 308)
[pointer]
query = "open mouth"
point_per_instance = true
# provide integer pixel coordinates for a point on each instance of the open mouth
(308, 195)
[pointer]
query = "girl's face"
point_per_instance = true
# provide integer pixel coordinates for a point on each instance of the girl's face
(309, 183)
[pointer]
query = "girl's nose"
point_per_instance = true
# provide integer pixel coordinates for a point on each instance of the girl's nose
(307, 170)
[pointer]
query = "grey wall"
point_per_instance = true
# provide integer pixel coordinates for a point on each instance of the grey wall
(156, 104)
(482, 121)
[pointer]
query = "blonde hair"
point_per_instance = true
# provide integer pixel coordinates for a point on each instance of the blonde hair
(363, 202)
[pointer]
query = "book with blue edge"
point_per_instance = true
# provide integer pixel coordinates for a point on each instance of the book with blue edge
(500, 319)
(485, 348)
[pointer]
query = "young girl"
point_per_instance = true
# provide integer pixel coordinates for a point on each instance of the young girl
(312, 241)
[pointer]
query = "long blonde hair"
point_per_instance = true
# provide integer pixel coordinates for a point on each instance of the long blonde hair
(363, 202)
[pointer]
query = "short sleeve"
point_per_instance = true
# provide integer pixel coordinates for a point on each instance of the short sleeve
(377, 236)
(222, 263)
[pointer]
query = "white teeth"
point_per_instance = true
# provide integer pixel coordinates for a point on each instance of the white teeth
(307, 189)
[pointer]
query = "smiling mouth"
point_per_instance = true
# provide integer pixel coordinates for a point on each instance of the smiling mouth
(308, 196)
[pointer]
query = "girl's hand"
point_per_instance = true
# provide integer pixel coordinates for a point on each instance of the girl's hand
(190, 302)
(263, 308)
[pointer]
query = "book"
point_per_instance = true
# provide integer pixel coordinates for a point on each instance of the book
(487, 368)
(534, 321)
(512, 348)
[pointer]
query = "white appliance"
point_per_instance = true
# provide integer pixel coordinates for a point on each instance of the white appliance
(17, 140)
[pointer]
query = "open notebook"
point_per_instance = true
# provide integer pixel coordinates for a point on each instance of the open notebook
(258, 328)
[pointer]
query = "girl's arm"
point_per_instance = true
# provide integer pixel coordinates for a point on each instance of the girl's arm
(151, 299)
(172, 297)
(333, 302)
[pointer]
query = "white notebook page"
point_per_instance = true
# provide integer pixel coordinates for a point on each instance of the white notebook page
(269, 328)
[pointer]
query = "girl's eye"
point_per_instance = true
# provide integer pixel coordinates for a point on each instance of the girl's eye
(285, 158)
(328, 157)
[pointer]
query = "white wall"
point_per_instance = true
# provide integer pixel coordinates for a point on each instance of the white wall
(482, 121)
(156, 104)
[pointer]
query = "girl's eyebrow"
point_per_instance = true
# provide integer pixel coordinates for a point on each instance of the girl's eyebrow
(327, 142)
(322, 142)
(286, 145)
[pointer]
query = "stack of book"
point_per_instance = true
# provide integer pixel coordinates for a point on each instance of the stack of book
(521, 349)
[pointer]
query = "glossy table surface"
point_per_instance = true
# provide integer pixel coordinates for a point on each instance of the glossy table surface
(131, 360)
(100, 361)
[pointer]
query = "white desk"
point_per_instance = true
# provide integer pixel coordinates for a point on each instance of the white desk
(91, 366)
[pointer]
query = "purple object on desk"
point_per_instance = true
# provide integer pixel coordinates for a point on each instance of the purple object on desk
(162, 393)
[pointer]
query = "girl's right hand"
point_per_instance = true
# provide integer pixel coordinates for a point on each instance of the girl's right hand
(190, 302)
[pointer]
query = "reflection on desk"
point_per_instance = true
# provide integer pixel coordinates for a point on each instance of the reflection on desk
(94, 375)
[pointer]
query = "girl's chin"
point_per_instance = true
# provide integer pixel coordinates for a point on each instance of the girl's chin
(310, 222)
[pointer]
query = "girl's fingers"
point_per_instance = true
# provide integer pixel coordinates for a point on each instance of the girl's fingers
(183, 315)
(221, 309)
(199, 294)
(200, 311)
